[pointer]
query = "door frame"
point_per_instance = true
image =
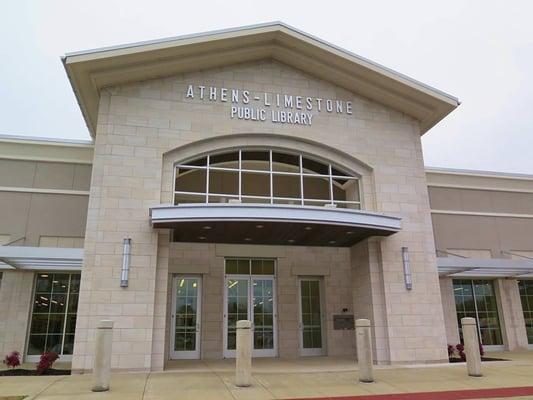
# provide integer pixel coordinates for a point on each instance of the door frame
(315, 351)
(226, 353)
(186, 355)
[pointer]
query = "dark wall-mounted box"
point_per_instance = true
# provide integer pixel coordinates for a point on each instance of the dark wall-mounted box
(343, 322)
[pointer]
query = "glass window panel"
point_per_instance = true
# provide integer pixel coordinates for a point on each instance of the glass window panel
(68, 345)
(183, 198)
(257, 267)
(268, 267)
(73, 303)
(255, 184)
(71, 323)
(42, 303)
(56, 323)
(314, 167)
(190, 180)
(244, 267)
(339, 193)
(224, 182)
(39, 323)
(225, 160)
(316, 188)
(36, 344)
(285, 162)
(58, 303)
(75, 283)
(60, 283)
(286, 186)
(53, 343)
(44, 283)
(232, 266)
(202, 162)
(256, 160)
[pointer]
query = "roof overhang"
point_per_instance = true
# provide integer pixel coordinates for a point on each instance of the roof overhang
(484, 268)
(90, 71)
(271, 224)
(40, 258)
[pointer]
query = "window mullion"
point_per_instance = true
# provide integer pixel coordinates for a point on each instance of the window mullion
(207, 180)
(271, 178)
(240, 175)
(301, 180)
(330, 184)
(66, 316)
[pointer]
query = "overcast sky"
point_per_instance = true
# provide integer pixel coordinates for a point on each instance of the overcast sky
(478, 51)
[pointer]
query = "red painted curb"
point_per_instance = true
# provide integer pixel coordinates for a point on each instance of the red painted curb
(446, 395)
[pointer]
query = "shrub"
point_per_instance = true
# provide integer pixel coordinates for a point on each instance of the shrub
(12, 360)
(451, 351)
(461, 350)
(46, 361)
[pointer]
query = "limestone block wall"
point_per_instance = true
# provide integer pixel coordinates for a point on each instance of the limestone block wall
(16, 296)
(139, 123)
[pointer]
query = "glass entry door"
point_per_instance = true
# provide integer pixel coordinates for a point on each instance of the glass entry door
(250, 296)
(185, 337)
(310, 324)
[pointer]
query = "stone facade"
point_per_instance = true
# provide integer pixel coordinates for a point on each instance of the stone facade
(143, 126)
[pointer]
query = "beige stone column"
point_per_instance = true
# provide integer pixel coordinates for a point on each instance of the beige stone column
(473, 358)
(450, 310)
(511, 314)
(363, 339)
(102, 356)
(243, 362)
(15, 305)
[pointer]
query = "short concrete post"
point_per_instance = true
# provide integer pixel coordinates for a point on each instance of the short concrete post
(473, 358)
(363, 338)
(243, 370)
(102, 356)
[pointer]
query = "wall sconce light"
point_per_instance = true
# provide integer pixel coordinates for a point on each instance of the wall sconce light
(126, 253)
(407, 269)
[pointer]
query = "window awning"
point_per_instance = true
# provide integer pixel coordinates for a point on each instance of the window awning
(40, 258)
(485, 268)
(279, 224)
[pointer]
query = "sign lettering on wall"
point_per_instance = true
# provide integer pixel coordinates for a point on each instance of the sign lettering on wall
(274, 107)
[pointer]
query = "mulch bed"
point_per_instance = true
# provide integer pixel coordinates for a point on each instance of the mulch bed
(459, 360)
(32, 372)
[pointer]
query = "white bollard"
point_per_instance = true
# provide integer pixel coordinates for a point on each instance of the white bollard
(363, 338)
(243, 362)
(473, 358)
(102, 356)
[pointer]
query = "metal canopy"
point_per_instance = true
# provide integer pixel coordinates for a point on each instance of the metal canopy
(40, 258)
(278, 224)
(484, 268)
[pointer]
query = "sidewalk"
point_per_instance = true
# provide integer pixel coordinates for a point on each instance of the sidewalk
(283, 379)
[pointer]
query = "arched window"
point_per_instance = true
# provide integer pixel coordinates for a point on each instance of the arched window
(264, 176)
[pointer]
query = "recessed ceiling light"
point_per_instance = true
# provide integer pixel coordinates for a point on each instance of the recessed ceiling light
(308, 228)
(259, 226)
(248, 239)
(207, 227)
(201, 237)
(290, 240)
(349, 232)
(332, 242)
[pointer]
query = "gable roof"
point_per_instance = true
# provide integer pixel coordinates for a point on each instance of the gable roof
(91, 70)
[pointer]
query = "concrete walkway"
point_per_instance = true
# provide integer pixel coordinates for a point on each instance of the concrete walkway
(277, 379)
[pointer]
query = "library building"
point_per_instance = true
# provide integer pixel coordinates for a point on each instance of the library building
(255, 173)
